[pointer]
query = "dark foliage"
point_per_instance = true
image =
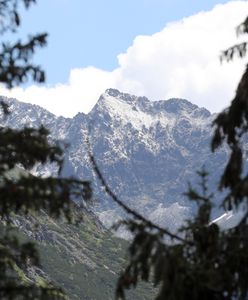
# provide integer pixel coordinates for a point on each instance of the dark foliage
(200, 262)
(239, 49)
(208, 264)
(25, 194)
(15, 65)
(231, 126)
(21, 150)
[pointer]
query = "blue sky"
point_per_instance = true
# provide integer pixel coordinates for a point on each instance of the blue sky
(93, 32)
(154, 48)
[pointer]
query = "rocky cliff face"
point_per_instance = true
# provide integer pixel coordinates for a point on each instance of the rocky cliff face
(146, 150)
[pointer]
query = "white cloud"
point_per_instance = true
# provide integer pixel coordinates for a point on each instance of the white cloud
(180, 61)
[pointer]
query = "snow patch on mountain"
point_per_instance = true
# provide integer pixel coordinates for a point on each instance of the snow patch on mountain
(146, 150)
(230, 219)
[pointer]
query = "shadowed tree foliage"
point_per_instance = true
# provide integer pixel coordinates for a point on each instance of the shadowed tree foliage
(15, 65)
(25, 194)
(200, 262)
(22, 150)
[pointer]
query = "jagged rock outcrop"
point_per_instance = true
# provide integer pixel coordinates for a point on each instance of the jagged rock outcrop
(146, 150)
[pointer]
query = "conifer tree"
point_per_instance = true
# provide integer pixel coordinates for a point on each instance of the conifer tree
(23, 149)
(201, 261)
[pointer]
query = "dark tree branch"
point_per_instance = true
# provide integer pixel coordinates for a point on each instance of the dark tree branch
(15, 67)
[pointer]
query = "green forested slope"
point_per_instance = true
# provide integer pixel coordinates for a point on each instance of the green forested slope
(84, 260)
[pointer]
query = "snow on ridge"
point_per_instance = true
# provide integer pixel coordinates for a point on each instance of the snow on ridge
(132, 111)
(139, 118)
(132, 137)
(229, 219)
(118, 106)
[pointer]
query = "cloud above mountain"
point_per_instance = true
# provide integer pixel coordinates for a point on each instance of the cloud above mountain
(182, 60)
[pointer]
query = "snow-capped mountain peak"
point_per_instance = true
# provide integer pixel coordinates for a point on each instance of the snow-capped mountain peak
(146, 150)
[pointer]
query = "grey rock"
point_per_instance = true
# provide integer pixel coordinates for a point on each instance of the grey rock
(146, 150)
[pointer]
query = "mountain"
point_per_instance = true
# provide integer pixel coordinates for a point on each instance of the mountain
(83, 260)
(146, 150)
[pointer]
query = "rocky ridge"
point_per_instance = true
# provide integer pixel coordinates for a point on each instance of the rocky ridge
(146, 150)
